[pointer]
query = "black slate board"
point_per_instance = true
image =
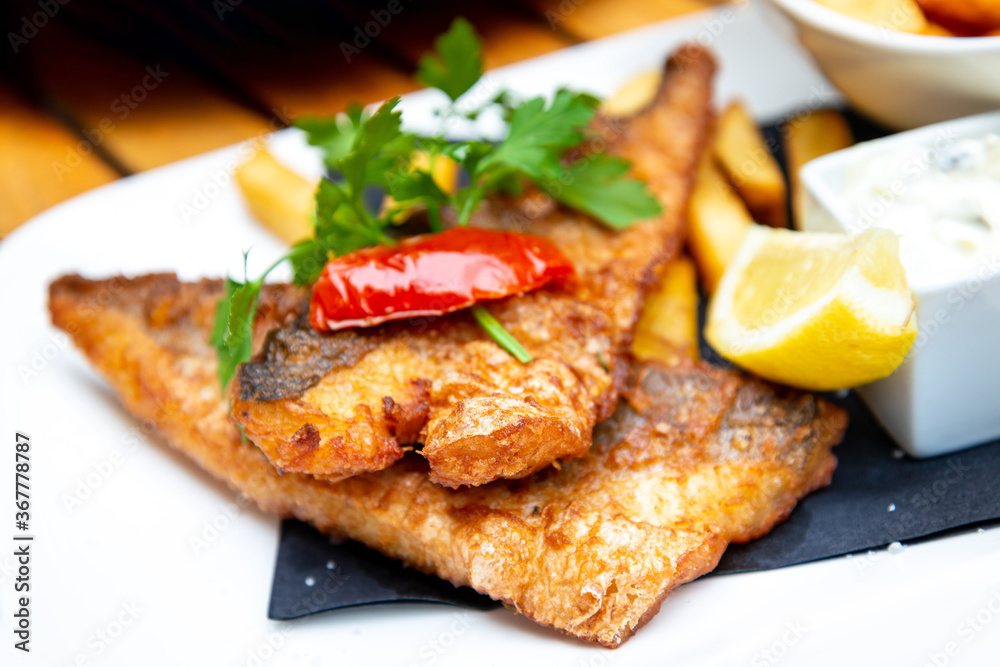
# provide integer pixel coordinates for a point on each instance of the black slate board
(313, 574)
(878, 496)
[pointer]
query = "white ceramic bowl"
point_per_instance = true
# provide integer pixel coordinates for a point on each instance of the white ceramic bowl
(946, 395)
(900, 79)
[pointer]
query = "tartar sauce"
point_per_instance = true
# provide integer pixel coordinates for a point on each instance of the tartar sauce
(943, 200)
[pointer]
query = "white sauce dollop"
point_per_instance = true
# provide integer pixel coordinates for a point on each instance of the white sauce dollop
(943, 200)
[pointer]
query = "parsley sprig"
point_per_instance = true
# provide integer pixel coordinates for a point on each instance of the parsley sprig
(374, 151)
(343, 221)
(456, 64)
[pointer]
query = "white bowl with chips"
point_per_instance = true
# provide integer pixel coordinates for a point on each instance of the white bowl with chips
(900, 79)
(946, 395)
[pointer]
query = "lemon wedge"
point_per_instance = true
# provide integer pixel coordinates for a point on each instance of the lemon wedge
(814, 310)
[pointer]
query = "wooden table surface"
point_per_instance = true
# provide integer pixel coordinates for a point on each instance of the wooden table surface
(88, 96)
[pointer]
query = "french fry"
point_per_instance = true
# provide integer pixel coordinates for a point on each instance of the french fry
(741, 151)
(634, 95)
(444, 171)
(903, 15)
(807, 137)
(717, 221)
(937, 30)
(668, 327)
(968, 17)
(279, 198)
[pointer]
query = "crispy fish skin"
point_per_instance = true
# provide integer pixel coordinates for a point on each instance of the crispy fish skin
(329, 408)
(695, 458)
(374, 390)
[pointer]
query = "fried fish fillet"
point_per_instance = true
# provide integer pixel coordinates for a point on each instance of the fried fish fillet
(338, 404)
(694, 458)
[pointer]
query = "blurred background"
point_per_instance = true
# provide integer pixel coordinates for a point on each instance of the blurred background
(95, 91)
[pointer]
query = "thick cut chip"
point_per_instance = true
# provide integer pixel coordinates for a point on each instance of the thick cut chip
(717, 222)
(808, 137)
(743, 153)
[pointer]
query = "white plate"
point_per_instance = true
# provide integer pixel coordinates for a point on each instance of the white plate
(115, 579)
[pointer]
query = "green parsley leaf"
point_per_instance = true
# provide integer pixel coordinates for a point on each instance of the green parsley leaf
(307, 257)
(468, 154)
(396, 154)
(501, 336)
(232, 331)
(342, 221)
(328, 198)
(408, 187)
(343, 224)
(373, 137)
(337, 135)
(334, 134)
(415, 186)
(242, 308)
(457, 64)
(539, 135)
(600, 186)
(218, 336)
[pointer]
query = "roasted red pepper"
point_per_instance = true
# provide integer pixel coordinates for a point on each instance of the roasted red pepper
(432, 275)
